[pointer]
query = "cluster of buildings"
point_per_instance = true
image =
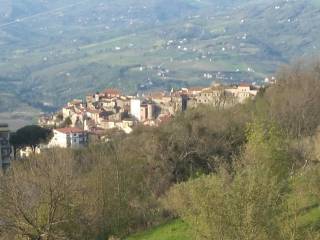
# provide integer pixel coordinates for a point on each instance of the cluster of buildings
(83, 121)
(91, 120)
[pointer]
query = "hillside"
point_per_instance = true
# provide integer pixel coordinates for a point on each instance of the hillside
(178, 230)
(174, 230)
(55, 51)
(248, 171)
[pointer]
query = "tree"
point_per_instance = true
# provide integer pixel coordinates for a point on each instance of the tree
(30, 136)
(293, 100)
(250, 203)
(199, 140)
(120, 190)
(41, 199)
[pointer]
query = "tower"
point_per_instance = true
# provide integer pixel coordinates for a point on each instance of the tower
(5, 148)
(135, 108)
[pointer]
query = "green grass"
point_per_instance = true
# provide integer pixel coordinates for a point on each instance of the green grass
(178, 230)
(312, 217)
(175, 230)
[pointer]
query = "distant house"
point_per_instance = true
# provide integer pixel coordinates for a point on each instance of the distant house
(112, 93)
(194, 91)
(212, 96)
(76, 102)
(28, 151)
(142, 110)
(93, 114)
(242, 92)
(69, 138)
(135, 109)
(67, 112)
(96, 135)
(48, 121)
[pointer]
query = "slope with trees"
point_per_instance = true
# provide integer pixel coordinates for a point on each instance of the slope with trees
(247, 172)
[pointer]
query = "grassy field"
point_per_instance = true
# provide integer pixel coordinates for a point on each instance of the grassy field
(175, 230)
(178, 230)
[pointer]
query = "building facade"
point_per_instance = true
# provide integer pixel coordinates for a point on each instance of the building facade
(135, 108)
(5, 148)
(69, 138)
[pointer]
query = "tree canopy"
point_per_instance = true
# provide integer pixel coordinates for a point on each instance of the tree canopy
(30, 136)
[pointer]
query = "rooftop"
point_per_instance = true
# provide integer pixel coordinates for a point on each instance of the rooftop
(112, 91)
(245, 85)
(196, 89)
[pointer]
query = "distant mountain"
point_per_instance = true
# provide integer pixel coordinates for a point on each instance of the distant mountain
(52, 51)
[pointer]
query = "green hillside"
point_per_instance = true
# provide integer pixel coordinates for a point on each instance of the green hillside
(178, 230)
(54, 51)
(175, 230)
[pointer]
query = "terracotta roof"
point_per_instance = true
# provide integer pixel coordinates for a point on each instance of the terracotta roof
(195, 89)
(157, 95)
(245, 85)
(69, 130)
(112, 91)
(212, 89)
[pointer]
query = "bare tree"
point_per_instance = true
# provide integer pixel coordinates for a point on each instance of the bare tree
(293, 101)
(39, 197)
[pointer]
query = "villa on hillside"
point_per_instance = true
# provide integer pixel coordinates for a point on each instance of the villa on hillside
(69, 138)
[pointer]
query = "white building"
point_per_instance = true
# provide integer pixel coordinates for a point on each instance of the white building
(5, 148)
(69, 138)
(243, 92)
(28, 151)
(135, 108)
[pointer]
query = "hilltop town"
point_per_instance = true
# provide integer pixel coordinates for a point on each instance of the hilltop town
(159, 119)
(90, 119)
(94, 119)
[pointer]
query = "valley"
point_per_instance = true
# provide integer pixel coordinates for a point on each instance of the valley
(52, 52)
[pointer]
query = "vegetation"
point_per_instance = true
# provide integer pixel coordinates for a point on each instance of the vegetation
(246, 172)
(250, 203)
(174, 230)
(30, 136)
(124, 44)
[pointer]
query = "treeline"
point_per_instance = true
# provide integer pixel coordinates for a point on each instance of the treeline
(247, 172)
